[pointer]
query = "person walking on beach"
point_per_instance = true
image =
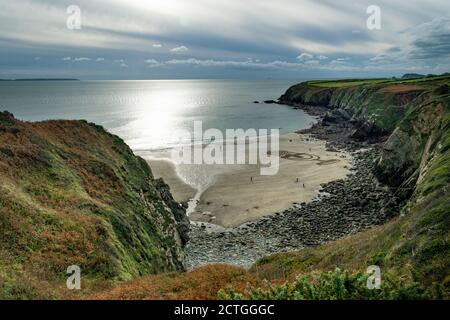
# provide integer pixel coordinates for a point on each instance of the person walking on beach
(297, 180)
(251, 179)
(303, 185)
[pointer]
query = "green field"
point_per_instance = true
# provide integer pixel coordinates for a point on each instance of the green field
(358, 82)
(345, 83)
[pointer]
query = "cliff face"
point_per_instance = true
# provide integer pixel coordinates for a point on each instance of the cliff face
(73, 194)
(381, 104)
(415, 160)
(415, 144)
(414, 113)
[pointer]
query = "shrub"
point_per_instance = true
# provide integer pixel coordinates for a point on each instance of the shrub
(335, 285)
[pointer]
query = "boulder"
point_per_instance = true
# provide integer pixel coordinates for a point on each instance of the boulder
(178, 210)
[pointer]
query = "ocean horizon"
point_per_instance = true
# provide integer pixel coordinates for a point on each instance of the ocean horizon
(147, 114)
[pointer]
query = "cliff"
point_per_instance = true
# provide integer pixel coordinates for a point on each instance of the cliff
(73, 194)
(412, 249)
(415, 160)
(413, 113)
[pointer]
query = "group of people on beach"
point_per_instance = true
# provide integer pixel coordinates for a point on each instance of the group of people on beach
(299, 181)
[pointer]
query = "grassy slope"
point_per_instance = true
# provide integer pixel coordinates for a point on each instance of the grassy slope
(200, 284)
(70, 193)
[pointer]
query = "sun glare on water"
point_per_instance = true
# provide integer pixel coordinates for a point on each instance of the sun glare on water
(157, 117)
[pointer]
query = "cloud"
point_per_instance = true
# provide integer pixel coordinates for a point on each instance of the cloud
(381, 57)
(81, 59)
(411, 36)
(152, 63)
(312, 62)
(305, 56)
(310, 59)
(215, 63)
(424, 48)
(432, 40)
(253, 65)
(180, 49)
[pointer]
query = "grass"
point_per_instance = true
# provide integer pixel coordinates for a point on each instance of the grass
(70, 193)
(360, 82)
(200, 284)
(335, 285)
(345, 83)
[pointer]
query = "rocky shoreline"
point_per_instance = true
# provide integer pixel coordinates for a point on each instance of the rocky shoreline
(343, 207)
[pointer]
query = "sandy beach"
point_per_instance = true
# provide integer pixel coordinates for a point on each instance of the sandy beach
(181, 191)
(241, 194)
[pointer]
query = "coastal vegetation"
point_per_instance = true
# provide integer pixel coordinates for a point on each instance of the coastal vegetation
(71, 193)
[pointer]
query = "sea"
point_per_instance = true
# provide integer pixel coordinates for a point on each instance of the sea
(148, 114)
(154, 116)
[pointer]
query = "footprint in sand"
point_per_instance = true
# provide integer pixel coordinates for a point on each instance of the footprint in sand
(301, 156)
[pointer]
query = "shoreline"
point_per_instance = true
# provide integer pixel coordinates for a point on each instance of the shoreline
(337, 208)
(239, 194)
(345, 206)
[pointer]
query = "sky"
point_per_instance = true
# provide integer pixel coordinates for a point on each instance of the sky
(185, 39)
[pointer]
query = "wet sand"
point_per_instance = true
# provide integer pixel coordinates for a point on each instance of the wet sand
(181, 191)
(241, 195)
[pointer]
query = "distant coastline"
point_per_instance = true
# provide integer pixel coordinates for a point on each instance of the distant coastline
(41, 79)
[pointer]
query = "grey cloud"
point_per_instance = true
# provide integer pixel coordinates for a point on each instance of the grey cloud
(432, 40)
(180, 49)
(81, 59)
(223, 33)
(305, 56)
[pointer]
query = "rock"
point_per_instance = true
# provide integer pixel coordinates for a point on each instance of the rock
(308, 224)
(331, 117)
(366, 130)
(443, 89)
(178, 210)
(270, 101)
